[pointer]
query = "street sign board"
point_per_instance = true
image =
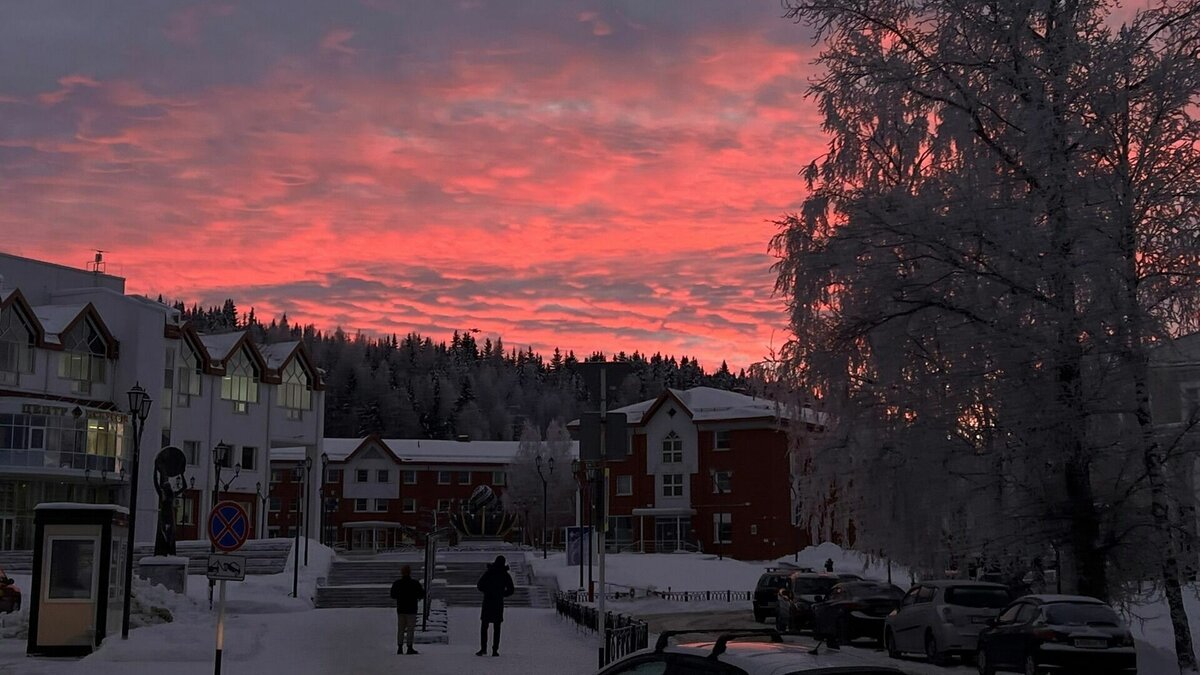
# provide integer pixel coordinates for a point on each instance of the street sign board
(228, 526)
(616, 436)
(589, 437)
(222, 567)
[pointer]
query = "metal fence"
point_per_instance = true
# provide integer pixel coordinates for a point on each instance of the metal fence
(698, 596)
(622, 634)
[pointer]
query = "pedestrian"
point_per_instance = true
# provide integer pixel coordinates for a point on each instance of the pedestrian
(496, 584)
(407, 592)
(829, 564)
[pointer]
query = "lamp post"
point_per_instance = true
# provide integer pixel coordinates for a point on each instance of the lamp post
(549, 472)
(263, 497)
(139, 410)
(298, 477)
(307, 504)
(221, 458)
(321, 492)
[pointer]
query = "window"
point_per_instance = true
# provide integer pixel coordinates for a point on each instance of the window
(721, 440)
(275, 504)
(333, 475)
(445, 504)
(72, 561)
(381, 505)
(360, 506)
(672, 449)
(722, 482)
(240, 383)
(925, 594)
(754, 529)
(276, 475)
(16, 346)
(295, 390)
(672, 485)
(499, 478)
(84, 360)
(410, 477)
(187, 512)
(190, 376)
(362, 476)
(383, 476)
(624, 486)
(410, 505)
(191, 450)
(1010, 615)
(249, 458)
(464, 477)
(443, 478)
(168, 374)
(722, 528)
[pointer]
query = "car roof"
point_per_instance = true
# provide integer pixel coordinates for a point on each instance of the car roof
(769, 658)
(1050, 598)
(815, 575)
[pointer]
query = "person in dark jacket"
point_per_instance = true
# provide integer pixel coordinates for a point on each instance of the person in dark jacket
(407, 592)
(496, 584)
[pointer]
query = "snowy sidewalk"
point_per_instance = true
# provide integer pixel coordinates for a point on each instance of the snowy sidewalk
(350, 641)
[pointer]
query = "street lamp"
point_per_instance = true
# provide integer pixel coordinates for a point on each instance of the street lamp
(139, 410)
(549, 472)
(298, 476)
(221, 457)
(263, 498)
(321, 491)
(307, 505)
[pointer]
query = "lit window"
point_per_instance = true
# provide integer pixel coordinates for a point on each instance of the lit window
(84, 360)
(16, 346)
(295, 391)
(190, 376)
(240, 383)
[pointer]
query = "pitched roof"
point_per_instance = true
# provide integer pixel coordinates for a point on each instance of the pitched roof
(707, 404)
(421, 451)
(55, 319)
(278, 353)
(219, 345)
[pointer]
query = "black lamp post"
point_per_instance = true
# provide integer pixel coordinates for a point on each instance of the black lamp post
(307, 504)
(321, 492)
(139, 410)
(263, 497)
(549, 472)
(298, 477)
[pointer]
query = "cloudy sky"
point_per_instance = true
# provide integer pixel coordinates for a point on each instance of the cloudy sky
(592, 176)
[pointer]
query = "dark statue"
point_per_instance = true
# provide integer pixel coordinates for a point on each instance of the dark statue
(482, 515)
(169, 466)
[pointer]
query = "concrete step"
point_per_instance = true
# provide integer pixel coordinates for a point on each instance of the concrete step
(16, 561)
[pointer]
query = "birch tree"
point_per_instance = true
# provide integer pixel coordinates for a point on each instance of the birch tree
(1003, 226)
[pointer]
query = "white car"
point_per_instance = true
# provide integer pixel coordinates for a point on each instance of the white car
(941, 619)
(726, 657)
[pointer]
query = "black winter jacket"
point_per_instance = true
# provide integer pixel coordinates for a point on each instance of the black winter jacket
(496, 584)
(407, 591)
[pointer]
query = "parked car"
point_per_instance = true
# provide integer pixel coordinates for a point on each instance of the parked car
(728, 655)
(10, 595)
(1067, 632)
(943, 618)
(794, 603)
(766, 592)
(854, 609)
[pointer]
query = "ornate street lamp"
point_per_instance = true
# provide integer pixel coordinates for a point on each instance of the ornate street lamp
(537, 461)
(321, 492)
(298, 477)
(139, 410)
(307, 508)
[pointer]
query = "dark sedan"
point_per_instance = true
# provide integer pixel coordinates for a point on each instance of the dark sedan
(855, 609)
(796, 599)
(1062, 632)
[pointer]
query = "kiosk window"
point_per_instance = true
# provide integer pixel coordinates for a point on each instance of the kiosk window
(72, 563)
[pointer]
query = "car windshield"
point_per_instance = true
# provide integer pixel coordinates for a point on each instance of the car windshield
(976, 596)
(772, 581)
(813, 586)
(1080, 614)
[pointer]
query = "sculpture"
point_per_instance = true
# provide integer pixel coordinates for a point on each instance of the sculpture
(169, 465)
(482, 515)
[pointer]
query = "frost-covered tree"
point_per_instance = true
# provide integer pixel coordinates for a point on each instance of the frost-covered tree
(523, 495)
(1004, 225)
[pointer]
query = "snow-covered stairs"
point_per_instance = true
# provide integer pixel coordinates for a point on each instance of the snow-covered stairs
(365, 583)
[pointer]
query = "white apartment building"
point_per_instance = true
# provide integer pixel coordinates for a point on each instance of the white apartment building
(72, 344)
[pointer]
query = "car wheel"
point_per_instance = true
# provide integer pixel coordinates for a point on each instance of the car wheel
(889, 643)
(1031, 667)
(935, 656)
(981, 662)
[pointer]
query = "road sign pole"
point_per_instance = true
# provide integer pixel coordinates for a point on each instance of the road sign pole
(220, 630)
(601, 619)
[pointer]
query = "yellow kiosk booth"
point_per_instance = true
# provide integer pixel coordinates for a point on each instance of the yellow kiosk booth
(78, 577)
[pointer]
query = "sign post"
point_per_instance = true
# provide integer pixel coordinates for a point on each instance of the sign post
(228, 527)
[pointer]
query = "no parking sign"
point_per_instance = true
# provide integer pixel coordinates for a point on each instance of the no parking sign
(228, 526)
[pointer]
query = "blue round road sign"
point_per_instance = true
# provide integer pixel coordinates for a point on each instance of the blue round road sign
(228, 526)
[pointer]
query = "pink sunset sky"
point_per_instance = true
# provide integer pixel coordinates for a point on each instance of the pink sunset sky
(590, 176)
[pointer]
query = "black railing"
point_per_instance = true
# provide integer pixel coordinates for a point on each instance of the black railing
(698, 596)
(622, 634)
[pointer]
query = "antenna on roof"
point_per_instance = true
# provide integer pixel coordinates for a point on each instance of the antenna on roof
(96, 266)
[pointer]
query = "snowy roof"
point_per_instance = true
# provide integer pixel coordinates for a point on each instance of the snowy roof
(706, 404)
(277, 352)
(420, 451)
(74, 506)
(218, 345)
(55, 318)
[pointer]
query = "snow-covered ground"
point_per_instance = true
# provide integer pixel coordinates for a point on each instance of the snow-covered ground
(268, 632)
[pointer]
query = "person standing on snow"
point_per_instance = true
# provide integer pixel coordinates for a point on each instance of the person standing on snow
(407, 592)
(496, 584)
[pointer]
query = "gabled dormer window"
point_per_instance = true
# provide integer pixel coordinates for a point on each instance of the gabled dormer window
(240, 383)
(190, 376)
(84, 360)
(672, 449)
(16, 346)
(295, 391)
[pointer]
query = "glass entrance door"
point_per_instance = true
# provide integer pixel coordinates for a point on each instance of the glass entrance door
(667, 532)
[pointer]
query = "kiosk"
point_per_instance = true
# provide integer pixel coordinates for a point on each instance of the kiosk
(78, 577)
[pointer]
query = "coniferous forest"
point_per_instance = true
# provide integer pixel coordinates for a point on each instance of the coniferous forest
(412, 386)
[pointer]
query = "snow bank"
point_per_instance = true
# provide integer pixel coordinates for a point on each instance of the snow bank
(848, 560)
(655, 571)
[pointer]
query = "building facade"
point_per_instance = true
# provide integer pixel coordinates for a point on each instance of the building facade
(73, 343)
